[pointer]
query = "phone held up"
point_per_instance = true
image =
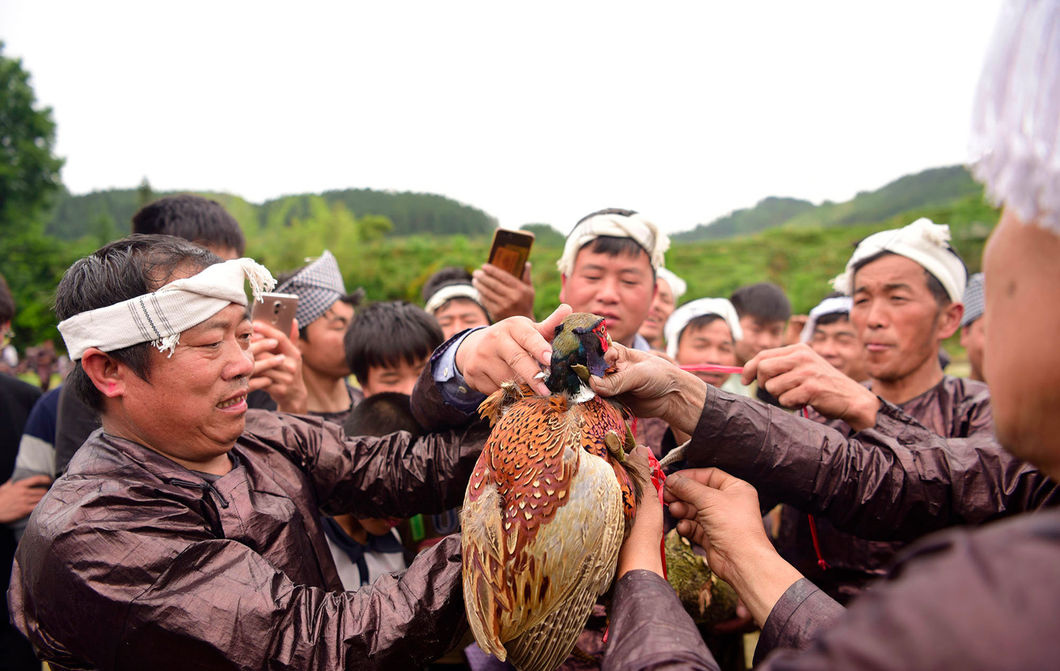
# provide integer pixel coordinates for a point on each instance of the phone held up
(510, 250)
(277, 310)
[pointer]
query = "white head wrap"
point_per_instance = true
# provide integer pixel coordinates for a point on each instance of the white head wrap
(678, 287)
(829, 306)
(448, 293)
(701, 306)
(634, 226)
(1015, 143)
(160, 317)
(923, 241)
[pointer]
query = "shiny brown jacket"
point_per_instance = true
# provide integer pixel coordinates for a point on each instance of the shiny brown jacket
(132, 561)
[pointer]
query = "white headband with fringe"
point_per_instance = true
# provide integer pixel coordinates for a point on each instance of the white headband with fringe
(829, 306)
(634, 226)
(680, 318)
(678, 287)
(161, 316)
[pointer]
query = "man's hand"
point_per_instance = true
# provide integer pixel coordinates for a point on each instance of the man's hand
(720, 513)
(643, 548)
(278, 367)
(653, 387)
(503, 294)
(798, 376)
(18, 498)
(512, 349)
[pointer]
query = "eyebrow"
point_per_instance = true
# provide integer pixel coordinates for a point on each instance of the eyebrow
(888, 287)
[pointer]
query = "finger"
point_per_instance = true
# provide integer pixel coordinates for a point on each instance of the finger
(263, 344)
(547, 327)
(690, 490)
(35, 481)
(519, 358)
(679, 509)
(526, 274)
(487, 294)
(267, 363)
(791, 383)
(258, 383)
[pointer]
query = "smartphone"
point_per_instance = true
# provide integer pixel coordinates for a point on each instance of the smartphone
(510, 250)
(276, 310)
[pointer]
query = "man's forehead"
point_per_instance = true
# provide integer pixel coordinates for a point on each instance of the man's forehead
(588, 259)
(228, 317)
(891, 269)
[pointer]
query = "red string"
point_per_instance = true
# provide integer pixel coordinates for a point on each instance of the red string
(813, 523)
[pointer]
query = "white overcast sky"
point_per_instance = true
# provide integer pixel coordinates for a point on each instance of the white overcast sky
(534, 112)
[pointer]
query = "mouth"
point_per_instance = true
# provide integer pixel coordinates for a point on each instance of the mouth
(237, 402)
(877, 347)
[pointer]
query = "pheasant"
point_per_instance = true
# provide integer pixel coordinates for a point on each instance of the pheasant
(547, 506)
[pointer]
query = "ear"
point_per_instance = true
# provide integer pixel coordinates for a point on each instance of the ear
(107, 374)
(950, 320)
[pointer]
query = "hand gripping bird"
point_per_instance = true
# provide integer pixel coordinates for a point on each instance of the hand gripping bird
(547, 506)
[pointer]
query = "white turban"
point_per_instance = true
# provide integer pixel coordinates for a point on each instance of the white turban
(922, 241)
(829, 306)
(448, 293)
(634, 226)
(1015, 144)
(161, 316)
(680, 318)
(677, 285)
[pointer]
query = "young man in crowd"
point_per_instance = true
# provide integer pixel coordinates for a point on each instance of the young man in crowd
(973, 330)
(389, 344)
(189, 526)
(829, 332)
(668, 291)
(764, 310)
(451, 299)
(324, 315)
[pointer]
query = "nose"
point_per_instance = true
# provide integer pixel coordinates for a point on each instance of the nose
(240, 363)
(876, 314)
(607, 291)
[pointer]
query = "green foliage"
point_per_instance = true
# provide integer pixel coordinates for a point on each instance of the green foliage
(767, 213)
(544, 234)
(29, 177)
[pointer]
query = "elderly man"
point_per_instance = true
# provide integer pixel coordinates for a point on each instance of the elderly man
(980, 599)
(186, 532)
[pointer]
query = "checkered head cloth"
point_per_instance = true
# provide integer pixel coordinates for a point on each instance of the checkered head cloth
(974, 305)
(317, 286)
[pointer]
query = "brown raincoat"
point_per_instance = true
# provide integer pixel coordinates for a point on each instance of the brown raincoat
(132, 561)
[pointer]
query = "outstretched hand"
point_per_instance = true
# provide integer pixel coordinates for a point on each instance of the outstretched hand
(797, 376)
(720, 513)
(651, 386)
(513, 349)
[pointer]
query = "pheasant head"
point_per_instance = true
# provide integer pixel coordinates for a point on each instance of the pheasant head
(578, 352)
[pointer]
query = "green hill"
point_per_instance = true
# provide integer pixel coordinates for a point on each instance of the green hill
(934, 188)
(75, 217)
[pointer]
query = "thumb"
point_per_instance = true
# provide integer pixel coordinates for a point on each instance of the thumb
(547, 327)
(684, 488)
(526, 273)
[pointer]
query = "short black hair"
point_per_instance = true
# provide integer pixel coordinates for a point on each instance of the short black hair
(938, 292)
(700, 322)
(611, 245)
(384, 334)
(200, 220)
(443, 278)
(832, 318)
(7, 302)
(764, 301)
(381, 414)
(117, 272)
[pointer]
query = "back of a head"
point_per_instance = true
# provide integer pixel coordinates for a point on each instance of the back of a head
(764, 301)
(385, 334)
(7, 302)
(381, 414)
(200, 220)
(120, 271)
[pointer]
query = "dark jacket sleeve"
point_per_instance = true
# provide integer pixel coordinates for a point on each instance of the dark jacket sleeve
(896, 481)
(802, 613)
(175, 596)
(387, 476)
(649, 628)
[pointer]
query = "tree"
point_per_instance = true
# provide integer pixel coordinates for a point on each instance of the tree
(29, 178)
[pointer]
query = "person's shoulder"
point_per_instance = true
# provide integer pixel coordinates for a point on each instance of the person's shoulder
(966, 389)
(15, 390)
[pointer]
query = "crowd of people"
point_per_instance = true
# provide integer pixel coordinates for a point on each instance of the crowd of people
(206, 490)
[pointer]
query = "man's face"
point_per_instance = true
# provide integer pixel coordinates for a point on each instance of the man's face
(707, 344)
(897, 318)
(758, 335)
(193, 408)
(618, 288)
(973, 338)
(838, 344)
(400, 378)
(459, 314)
(1022, 320)
(322, 349)
(662, 306)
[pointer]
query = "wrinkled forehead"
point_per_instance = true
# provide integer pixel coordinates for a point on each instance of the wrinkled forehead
(890, 268)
